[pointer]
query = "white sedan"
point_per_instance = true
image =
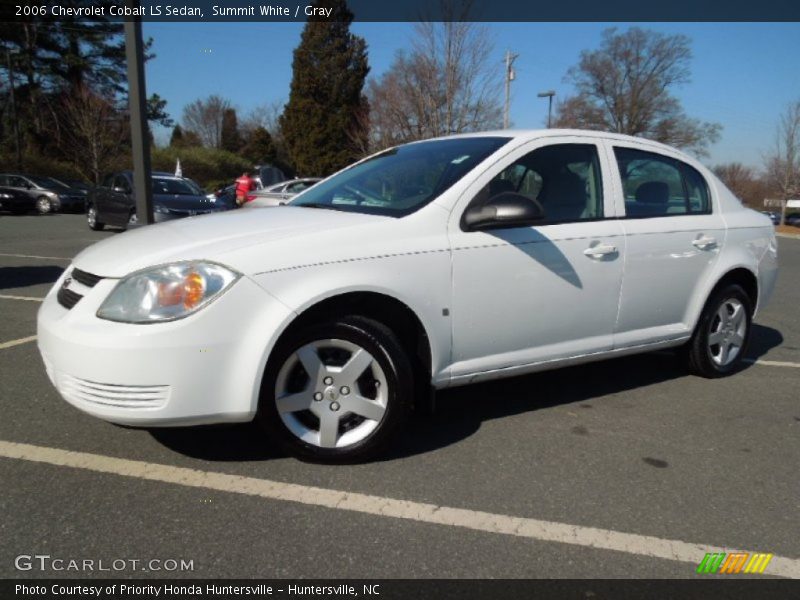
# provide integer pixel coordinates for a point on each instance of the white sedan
(433, 264)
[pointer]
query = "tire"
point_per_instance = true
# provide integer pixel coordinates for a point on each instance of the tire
(726, 319)
(309, 367)
(133, 220)
(91, 219)
(43, 205)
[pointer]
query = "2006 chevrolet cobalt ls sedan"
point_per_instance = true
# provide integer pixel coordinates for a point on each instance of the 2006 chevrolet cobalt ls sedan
(433, 264)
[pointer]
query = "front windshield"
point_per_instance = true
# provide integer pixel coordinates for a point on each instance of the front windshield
(399, 181)
(172, 186)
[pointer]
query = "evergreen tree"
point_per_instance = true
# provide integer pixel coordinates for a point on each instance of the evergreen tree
(176, 139)
(323, 123)
(230, 139)
(260, 147)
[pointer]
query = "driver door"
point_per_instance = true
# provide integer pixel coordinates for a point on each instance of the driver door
(550, 291)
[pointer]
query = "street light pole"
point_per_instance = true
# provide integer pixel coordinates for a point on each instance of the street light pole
(510, 58)
(549, 95)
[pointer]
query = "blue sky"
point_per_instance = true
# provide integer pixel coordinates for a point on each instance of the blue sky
(743, 74)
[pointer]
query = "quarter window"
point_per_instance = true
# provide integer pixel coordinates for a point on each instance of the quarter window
(659, 186)
(564, 178)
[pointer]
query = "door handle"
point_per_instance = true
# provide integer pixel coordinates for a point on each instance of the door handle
(599, 251)
(705, 243)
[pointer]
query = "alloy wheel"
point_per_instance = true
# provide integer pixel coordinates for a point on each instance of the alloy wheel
(727, 332)
(43, 205)
(331, 393)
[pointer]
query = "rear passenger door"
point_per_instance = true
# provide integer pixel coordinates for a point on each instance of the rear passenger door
(674, 233)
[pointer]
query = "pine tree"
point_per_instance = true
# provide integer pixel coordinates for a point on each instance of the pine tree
(323, 122)
(260, 147)
(230, 139)
(176, 139)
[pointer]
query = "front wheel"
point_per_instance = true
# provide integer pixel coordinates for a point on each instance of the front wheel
(92, 221)
(723, 331)
(43, 205)
(337, 392)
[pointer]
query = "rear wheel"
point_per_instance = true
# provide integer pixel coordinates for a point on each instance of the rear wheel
(92, 220)
(337, 392)
(723, 331)
(43, 205)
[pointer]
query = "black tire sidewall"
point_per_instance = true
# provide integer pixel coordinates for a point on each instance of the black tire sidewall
(381, 343)
(700, 357)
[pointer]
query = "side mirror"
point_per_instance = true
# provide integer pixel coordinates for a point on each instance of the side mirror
(507, 209)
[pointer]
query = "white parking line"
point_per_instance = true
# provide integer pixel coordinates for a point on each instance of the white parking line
(30, 298)
(548, 531)
(34, 256)
(13, 343)
(771, 363)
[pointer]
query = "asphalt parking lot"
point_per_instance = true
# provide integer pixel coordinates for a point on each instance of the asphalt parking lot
(626, 468)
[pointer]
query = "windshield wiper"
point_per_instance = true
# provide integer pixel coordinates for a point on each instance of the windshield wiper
(315, 205)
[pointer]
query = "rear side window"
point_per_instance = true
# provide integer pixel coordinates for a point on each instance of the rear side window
(659, 186)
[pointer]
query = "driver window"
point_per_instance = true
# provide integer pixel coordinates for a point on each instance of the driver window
(564, 178)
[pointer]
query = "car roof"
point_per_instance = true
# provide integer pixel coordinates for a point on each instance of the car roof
(531, 134)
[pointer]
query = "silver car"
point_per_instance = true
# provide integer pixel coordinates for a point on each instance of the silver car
(281, 193)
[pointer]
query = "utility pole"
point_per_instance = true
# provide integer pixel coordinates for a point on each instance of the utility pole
(14, 118)
(510, 76)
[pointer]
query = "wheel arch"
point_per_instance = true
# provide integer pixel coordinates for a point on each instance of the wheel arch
(413, 335)
(740, 275)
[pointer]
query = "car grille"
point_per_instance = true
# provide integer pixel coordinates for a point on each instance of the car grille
(185, 212)
(107, 394)
(87, 279)
(67, 298)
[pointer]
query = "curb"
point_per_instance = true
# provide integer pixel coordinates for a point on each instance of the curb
(789, 236)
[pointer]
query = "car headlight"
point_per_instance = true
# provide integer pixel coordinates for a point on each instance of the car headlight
(160, 209)
(5, 196)
(166, 293)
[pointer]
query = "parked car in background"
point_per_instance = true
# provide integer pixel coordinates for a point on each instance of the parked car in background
(113, 203)
(793, 219)
(16, 201)
(280, 193)
(50, 195)
(267, 175)
(773, 216)
(434, 264)
(227, 197)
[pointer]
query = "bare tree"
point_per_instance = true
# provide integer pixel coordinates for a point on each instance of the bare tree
(783, 163)
(448, 82)
(92, 131)
(624, 87)
(205, 118)
(265, 116)
(746, 184)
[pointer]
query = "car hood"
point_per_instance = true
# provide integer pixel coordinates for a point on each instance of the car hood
(223, 236)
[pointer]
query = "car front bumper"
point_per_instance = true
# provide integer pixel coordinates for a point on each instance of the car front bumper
(205, 368)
